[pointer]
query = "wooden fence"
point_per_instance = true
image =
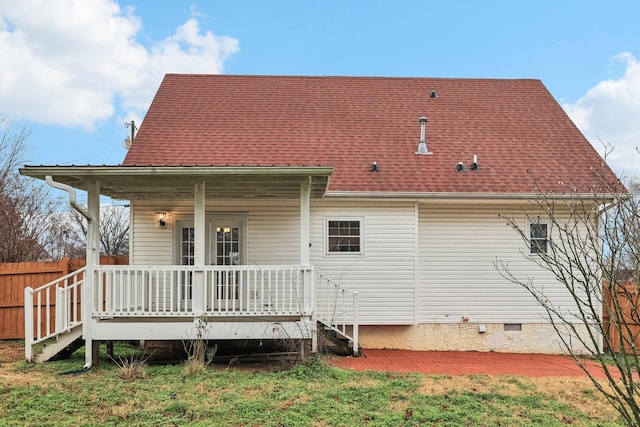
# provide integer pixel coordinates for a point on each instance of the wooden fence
(16, 277)
(628, 301)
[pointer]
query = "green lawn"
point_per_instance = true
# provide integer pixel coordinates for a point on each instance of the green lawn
(313, 394)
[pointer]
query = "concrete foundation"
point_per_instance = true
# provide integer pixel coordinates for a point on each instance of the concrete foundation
(531, 338)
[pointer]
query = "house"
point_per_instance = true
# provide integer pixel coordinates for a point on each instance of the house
(269, 205)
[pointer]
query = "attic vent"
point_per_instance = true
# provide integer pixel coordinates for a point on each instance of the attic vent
(433, 94)
(422, 145)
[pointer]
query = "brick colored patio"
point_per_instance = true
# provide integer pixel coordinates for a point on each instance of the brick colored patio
(466, 363)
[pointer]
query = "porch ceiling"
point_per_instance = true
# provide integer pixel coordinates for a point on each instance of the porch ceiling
(135, 182)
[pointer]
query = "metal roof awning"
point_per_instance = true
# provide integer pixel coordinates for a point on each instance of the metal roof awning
(177, 182)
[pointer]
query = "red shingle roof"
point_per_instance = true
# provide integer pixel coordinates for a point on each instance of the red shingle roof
(515, 127)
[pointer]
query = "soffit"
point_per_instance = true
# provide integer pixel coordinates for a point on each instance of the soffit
(135, 183)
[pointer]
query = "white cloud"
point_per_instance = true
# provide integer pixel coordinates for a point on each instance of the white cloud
(610, 113)
(74, 63)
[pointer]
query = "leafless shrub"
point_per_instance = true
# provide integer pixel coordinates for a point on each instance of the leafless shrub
(198, 352)
(133, 367)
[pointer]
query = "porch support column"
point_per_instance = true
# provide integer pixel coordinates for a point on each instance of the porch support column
(199, 254)
(305, 196)
(93, 260)
(308, 297)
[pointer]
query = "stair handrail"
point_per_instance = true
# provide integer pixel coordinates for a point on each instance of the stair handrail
(67, 309)
(334, 312)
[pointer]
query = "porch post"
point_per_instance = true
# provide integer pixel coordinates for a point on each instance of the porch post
(305, 259)
(305, 196)
(199, 254)
(92, 260)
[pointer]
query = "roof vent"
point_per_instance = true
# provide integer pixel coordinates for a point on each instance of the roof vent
(374, 167)
(422, 145)
(460, 167)
(433, 94)
(475, 166)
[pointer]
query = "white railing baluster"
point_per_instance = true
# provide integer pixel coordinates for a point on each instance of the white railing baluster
(240, 287)
(260, 305)
(355, 331)
(60, 303)
(229, 291)
(157, 291)
(335, 312)
(48, 305)
(74, 304)
(274, 291)
(39, 316)
(176, 289)
(57, 314)
(120, 291)
(128, 289)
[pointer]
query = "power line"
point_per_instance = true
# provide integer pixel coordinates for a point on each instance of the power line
(95, 155)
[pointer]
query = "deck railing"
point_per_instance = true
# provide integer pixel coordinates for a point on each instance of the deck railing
(175, 290)
(52, 309)
(337, 308)
(190, 291)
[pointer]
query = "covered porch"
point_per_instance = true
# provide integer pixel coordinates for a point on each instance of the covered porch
(168, 301)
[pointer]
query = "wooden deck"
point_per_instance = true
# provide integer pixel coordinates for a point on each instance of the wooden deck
(176, 302)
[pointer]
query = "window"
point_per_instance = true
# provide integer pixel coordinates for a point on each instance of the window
(538, 238)
(344, 236)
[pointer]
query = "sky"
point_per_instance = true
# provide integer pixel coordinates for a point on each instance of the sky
(73, 72)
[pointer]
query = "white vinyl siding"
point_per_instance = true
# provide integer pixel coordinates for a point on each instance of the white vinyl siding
(383, 273)
(448, 277)
(459, 248)
(152, 244)
(273, 230)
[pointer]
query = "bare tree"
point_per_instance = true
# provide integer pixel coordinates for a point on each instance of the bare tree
(114, 230)
(64, 240)
(32, 227)
(25, 207)
(591, 246)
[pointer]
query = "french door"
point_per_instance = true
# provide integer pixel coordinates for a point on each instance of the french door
(226, 238)
(225, 245)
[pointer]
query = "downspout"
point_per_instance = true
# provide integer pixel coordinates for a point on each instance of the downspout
(72, 196)
(87, 295)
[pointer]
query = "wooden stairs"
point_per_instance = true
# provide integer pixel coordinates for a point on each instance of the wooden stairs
(332, 340)
(62, 346)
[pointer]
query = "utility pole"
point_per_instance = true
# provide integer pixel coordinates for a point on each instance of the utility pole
(129, 140)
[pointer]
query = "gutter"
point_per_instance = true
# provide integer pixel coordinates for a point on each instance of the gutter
(411, 196)
(72, 196)
(196, 171)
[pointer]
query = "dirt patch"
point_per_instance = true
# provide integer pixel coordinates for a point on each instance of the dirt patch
(11, 351)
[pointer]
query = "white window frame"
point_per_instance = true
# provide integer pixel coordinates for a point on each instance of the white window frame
(359, 219)
(216, 220)
(212, 220)
(531, 239)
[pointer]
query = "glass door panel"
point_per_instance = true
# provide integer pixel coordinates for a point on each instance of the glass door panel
(187, 257)
(227, 248)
